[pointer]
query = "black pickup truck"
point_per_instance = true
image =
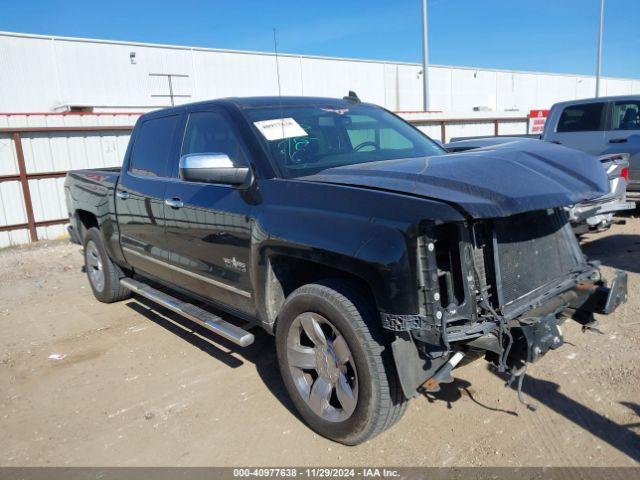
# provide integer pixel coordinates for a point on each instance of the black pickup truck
(377, 260)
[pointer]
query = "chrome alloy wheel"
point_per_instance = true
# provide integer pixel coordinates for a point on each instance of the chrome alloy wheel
(322, 367)
(93, 262)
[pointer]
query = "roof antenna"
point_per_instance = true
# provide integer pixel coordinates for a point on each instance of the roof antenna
(275, 49)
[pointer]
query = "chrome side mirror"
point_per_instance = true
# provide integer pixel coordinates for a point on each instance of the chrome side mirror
(212, 168)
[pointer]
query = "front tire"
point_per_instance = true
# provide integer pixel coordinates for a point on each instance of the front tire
(104, 275)
(336, 363)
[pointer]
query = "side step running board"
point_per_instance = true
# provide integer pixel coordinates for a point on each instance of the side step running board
(197, 315)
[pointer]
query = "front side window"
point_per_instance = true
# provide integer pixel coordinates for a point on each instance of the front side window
(303, 140)
(152, 147)
(626, 116)
(582, 118)
(211, 132)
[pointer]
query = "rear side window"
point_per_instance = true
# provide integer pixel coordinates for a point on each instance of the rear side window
(152, 147)
(582, 118)
(626, 116)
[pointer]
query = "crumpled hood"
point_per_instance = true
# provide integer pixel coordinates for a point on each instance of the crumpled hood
(495, 181)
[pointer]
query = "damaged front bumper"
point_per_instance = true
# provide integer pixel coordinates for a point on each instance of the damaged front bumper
(538, 331)
(528, 336)
(596, 297)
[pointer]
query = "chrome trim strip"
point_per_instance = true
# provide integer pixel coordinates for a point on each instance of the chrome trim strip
(197, 276)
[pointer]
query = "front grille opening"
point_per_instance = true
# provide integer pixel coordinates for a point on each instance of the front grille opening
(449, 265)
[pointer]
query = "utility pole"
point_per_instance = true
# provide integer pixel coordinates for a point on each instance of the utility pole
(425, 59)
(598, 64)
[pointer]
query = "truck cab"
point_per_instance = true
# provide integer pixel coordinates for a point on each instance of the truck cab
(375, 259)
(600, 126)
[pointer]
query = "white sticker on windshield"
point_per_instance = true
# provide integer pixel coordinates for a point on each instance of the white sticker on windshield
(280, 128)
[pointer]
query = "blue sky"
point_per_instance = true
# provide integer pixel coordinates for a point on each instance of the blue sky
(540, 35)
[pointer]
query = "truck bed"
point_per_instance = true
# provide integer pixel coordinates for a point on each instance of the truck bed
(96, 175)
(91, 190)
(100, 182)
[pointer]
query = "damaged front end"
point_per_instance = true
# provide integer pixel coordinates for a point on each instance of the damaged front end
(501, 288)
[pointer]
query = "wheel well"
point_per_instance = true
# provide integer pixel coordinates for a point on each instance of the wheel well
(285, 274)
(86, 220)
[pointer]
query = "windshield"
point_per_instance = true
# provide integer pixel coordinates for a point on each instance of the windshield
(304, 140)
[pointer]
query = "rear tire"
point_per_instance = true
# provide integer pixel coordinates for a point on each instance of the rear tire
(104, 275)
(359, 362)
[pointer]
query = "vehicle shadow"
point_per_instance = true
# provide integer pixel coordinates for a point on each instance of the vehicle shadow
(621, 437)
(261, 353)
(636, 409)
(617, 251)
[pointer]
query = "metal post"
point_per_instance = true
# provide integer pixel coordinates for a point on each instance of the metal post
(24, 182)
(598, 65)
(425, 59)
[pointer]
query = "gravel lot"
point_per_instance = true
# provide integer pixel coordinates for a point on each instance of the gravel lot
(139, 386)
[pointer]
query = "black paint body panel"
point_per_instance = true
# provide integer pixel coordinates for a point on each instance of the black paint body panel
(490, 182)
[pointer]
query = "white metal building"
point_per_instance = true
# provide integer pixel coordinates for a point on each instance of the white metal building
(42, 73)
(108, 83)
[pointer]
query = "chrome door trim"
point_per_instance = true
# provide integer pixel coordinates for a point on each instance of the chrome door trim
(197, 276)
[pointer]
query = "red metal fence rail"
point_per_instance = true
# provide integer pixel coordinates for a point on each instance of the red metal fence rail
(23, 176)
(444, 122)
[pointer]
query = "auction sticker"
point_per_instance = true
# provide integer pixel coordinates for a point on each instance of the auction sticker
(280, 128)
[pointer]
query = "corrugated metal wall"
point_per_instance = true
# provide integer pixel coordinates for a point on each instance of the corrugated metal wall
(52, 152)
(40, 73)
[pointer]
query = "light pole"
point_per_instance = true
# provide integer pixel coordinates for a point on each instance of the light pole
(598, 64)
(425, 59)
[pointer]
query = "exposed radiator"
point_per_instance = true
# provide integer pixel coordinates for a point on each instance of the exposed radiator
(532, 250)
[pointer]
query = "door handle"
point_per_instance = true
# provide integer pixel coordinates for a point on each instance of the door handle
(173, 202)
(618, 140)
(556, 142)
(123, 194)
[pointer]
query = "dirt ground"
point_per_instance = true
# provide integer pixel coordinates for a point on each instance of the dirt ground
(139, 386)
